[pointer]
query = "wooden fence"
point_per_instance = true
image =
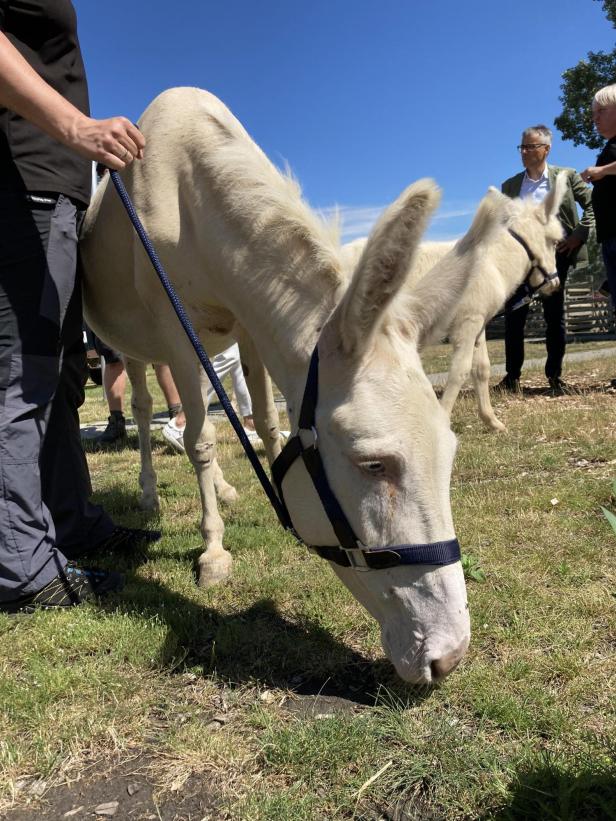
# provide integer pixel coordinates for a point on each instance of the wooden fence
(588, 315)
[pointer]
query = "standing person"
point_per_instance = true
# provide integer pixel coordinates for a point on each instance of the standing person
(535, 182)
(47, 143)
(225, 363)
(603, 177)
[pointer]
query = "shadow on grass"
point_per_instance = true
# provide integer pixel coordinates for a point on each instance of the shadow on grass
(258, 645)
(123, 506)
(563, 790)
(94, 445)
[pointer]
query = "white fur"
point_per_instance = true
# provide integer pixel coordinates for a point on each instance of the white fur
(248, 257)
(495, 265)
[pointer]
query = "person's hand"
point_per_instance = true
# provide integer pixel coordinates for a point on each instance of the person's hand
(115, 142)
(568, 245)
(592, 173)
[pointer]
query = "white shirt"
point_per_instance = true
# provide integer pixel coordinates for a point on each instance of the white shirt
(537, 190)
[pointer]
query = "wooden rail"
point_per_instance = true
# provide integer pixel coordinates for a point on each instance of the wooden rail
(587, 315)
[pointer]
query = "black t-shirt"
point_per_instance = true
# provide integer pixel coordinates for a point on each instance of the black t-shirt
(45, 33)
(604, 195)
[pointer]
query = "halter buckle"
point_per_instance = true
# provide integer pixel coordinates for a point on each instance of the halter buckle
(356, 557)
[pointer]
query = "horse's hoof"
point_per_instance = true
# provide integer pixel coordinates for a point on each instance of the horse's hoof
(148, 502)
(228, 495)
(213, 571)
(497, 426)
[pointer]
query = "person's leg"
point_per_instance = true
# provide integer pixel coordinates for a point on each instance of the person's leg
(240, 389)
(29, 367)
(228, 363)
(114, 382)
(554, 313)
(608, 250)
(65, 477)
(170, 392)
(514, 341)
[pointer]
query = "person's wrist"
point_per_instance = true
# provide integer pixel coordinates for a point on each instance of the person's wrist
(74, 128)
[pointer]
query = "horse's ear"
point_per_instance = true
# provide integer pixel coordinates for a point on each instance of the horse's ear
(383, 267)
(497, 197)
(552, 202)
(435, 297)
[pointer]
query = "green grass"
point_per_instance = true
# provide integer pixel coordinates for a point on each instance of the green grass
(523, 729)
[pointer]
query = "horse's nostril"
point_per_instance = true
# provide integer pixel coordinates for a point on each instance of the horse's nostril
(443, 666)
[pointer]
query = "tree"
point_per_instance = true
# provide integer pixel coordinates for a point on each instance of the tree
(579, 86)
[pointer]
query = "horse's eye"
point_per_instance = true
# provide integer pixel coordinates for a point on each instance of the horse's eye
(374, 468)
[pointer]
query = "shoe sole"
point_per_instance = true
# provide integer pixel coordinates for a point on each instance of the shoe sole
(31, 609)
(177, 447)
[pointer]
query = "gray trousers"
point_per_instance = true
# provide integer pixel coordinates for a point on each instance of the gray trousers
(44, 480)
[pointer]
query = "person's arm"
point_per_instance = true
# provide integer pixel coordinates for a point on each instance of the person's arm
(597, 172)
(115, 142)
(583, 196)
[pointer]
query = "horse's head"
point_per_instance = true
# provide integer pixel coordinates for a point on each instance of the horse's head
(540, 230)
(387, 449)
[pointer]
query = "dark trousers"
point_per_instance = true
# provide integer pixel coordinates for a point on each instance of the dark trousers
(555, 335)
(608, 249)
(44, 480)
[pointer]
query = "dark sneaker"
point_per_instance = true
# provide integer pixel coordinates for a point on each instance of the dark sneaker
(509, 385)
(72, 587)
(558, 387)
(115, 430)
(121, 540)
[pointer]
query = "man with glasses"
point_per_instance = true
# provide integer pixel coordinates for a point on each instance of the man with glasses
(535, 182)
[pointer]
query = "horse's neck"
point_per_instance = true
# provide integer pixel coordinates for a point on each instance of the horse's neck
(282, 301)
(510, 258)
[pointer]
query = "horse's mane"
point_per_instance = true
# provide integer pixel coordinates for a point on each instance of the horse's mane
(254, 190)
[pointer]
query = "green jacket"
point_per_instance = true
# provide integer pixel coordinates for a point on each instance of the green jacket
(577, 191)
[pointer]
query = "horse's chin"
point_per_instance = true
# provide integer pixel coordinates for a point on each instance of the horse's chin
(425, 662)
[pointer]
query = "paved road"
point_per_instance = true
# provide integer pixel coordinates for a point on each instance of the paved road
(94, 429)
(577, 356)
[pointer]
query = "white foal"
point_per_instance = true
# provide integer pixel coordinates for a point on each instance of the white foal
(248, 257)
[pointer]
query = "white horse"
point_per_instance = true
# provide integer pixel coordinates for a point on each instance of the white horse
(498, 264)
(248, 257)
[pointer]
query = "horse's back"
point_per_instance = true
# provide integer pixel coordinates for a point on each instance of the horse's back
(123, 300)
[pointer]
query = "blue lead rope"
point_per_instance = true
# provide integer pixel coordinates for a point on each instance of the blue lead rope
(200, 351)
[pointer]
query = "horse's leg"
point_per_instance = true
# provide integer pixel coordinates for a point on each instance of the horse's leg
(265, 413)
(463, 341)
(141, 404)
(225, 492)
(481, 376)
(200, 444)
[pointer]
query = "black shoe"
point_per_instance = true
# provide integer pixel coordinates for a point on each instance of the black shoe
(120, 540)
(115, 430)
(72, 587)
(559, 387)
(509, 385)
(612, 383)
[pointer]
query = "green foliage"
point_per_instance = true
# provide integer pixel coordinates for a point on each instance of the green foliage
(609, 7)
(472, 569)
(579, 86)
(580, 83)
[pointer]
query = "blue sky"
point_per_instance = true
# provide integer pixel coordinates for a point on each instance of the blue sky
(359, 98)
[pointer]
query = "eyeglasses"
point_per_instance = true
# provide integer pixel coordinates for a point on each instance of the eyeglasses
(530, 146)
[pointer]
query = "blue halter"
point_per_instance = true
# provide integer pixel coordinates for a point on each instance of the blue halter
(351, 552)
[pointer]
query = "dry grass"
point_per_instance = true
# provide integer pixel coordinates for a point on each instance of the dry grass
(272, 687)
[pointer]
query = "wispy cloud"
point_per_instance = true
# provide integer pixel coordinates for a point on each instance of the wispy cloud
(358, 220)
